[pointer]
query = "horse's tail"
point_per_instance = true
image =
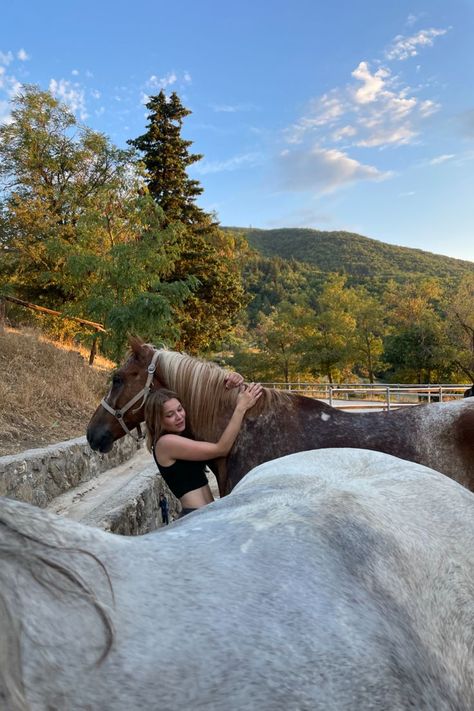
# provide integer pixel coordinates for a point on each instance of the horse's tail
(32, 545)
(12, 693)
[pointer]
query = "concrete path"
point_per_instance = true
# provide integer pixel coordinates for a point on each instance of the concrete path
(123, 499)
(83, 500)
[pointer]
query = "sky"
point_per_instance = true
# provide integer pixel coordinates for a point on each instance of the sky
(329, 115)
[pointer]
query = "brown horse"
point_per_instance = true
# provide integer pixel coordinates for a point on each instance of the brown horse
(439, 435)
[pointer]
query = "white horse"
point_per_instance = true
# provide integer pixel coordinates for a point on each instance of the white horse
(347, 585)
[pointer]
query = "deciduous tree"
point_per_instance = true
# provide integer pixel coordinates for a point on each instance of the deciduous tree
(77, 230)
(329, 348)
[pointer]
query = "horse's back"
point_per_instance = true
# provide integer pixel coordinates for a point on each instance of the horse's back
(330, 580)
(334, 579)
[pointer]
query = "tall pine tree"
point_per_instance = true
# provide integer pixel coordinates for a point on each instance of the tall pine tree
(207, 251)
(166, 158)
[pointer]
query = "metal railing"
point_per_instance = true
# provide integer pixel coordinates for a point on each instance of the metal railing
(374, 396)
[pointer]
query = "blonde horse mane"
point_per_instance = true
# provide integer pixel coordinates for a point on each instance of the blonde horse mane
(200, 386)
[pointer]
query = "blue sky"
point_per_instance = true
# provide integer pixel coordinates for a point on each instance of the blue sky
(336, 116)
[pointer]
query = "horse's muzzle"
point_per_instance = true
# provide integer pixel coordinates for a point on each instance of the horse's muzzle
(100, 440)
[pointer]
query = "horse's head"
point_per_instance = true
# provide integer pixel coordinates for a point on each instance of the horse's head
(122, 408)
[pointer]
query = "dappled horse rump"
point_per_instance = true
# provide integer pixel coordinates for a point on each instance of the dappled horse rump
(330, 580)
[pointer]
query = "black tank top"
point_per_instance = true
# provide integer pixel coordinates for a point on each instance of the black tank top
(183, 476)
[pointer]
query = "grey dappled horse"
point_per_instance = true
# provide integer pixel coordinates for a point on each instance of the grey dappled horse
(327, 580)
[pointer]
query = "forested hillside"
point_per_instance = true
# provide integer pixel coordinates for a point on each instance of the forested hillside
(364, 260)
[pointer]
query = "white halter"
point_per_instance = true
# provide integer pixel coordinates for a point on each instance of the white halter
(144, 392)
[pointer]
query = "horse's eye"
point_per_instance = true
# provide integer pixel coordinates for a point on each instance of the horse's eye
(116, 380)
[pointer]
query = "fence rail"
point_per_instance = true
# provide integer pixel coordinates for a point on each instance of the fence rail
(375, 396)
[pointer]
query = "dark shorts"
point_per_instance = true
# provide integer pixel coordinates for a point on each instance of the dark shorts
(185, 512)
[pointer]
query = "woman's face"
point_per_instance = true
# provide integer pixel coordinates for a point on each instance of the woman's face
(173, 418)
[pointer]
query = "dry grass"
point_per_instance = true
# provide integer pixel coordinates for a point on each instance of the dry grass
(48, 391)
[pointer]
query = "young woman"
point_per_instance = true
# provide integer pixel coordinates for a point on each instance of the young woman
(182, 459)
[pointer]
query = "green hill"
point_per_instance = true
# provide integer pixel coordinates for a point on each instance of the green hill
(361, 258)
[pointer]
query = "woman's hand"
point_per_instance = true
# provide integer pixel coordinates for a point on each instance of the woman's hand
(248, 396)
(233, 380)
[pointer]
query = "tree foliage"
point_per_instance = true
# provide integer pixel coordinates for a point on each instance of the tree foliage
(369, 333)
(329, 349)
(417, 347)
(207, 253)
(77, 232)
(166, 157)
(459, 326)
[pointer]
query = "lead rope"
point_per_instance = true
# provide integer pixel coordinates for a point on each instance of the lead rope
(144, 392)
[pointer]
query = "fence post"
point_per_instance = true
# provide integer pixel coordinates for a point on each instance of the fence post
(330, 394)
(388, 399)
(3, 311)
(94, 348)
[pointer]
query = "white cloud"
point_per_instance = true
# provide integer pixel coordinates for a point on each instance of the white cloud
(95, 93)
(428, 107)
(385, 136)
(405, 47)
(14, 88)
(225, 108)
(6, 58)
(343, 133)
(22, 55)
(155, 82)
(5, 116)
(442, 159)
(241, 161)
(322, 170)
(71, 94)
(187, 77)
(75, 72)
(373, 84)
(374, 110)
(323, 111)
(232, 108)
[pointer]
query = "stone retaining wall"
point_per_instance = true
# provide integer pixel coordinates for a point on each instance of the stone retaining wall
(39, 475)
(135, 508)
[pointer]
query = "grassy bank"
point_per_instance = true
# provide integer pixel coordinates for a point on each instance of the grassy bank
(48, 391)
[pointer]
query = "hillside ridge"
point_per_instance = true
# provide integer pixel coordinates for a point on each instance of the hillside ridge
(352, 253)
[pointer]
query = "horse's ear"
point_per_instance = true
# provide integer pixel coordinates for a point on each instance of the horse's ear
(136, 345)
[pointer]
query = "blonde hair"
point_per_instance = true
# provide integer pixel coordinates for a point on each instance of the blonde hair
(154, 414)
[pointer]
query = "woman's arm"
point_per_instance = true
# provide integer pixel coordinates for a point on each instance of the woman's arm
(171, 446)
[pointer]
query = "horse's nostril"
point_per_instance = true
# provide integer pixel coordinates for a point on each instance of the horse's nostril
(99, 440)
